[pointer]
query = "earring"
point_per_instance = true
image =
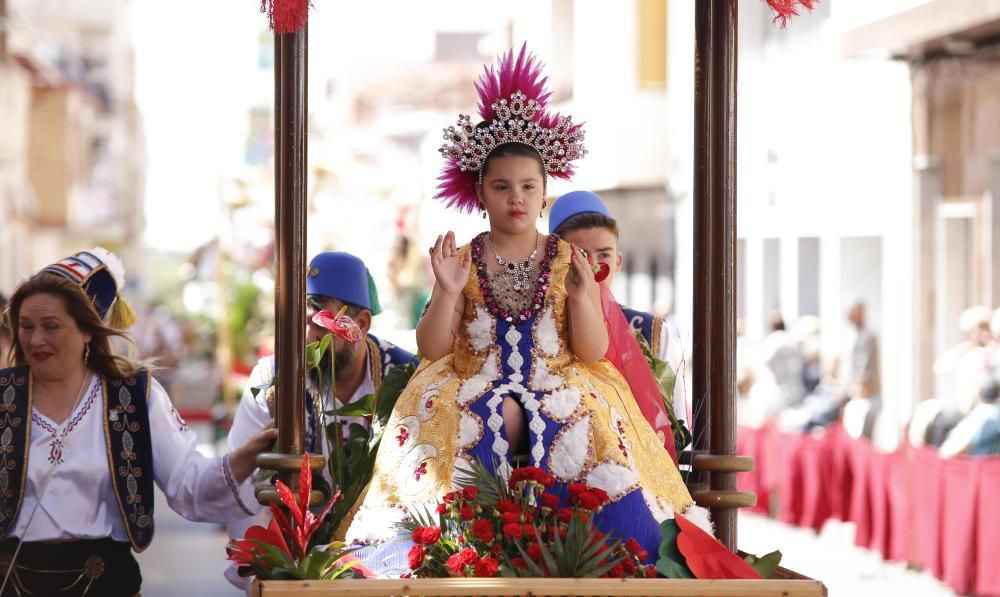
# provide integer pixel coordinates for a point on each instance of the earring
(482, 207)
(544, 203)
(86, 353)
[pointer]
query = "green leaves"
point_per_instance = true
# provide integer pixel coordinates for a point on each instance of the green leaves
(764, 565)
(671, 562)
(666, 378)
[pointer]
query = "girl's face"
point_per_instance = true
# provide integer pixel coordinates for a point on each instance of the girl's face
(513, 190)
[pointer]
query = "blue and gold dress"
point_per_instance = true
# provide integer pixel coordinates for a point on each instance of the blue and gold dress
(583, 424)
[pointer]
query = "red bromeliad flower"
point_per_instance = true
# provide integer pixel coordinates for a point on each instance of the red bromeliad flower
(303, 522)
(339, 325)
(249, 549)
(283, 548)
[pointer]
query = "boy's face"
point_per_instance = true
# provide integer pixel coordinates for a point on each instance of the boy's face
(601, 246)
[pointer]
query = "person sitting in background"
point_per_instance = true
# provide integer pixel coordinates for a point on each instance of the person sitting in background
(583, 219)
(859, 376)
(978, 433)
(781, 356)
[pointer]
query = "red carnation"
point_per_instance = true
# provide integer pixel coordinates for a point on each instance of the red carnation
(564, 515)
(506, 506)
(468, 512)
(442, 508)
(469, 556)
(534, 552)
(426, 535)
(575, 489)
(518, 563)
(416, 557)
(486, 567)
(549, 500)
(470, 492)
(510, 518)
(636, 549)
(600, 494)
(483, 530)
(617, 572)
(529, 531)
(455, 563)
(512, 530)
(588, 501)
(650, 571)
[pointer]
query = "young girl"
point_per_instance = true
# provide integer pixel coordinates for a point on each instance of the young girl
(514, 340)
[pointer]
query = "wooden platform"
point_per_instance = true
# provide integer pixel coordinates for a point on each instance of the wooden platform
(491, 587)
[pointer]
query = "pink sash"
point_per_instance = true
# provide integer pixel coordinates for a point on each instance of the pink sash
(626, 355)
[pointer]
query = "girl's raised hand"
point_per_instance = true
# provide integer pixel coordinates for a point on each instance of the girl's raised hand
(451, 269)
(581, 282)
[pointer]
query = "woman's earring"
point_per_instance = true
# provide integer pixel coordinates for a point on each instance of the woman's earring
(482, 207)
(86, 353)
(544, 203)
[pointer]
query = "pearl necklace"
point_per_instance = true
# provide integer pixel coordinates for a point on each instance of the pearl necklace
(520, 271)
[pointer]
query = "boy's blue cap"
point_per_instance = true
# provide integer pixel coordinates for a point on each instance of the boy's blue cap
(344, 277)
(576, 202)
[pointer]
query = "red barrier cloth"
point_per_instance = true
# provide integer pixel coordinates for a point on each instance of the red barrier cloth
(842, 479)
(817, 469)
(926, 504)
(958, 535)
(753, 443)
(900, 519)
(988, 525)
(860, 509)
(790, 489)
(879, 475)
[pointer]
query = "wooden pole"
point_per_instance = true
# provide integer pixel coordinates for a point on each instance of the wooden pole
(722, 352)
(703, 285)
(714, 359)
(290, 163)
(290, 235)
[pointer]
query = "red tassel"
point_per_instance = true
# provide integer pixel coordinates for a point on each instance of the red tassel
(786, 9)
(285, 16)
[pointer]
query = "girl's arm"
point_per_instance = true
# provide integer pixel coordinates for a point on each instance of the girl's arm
(588, 337)
(438, 327)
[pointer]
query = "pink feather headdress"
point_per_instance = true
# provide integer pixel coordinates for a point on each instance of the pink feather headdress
(512, 102)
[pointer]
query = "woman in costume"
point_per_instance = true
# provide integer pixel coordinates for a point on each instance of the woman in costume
(515, 337)
(84, 434)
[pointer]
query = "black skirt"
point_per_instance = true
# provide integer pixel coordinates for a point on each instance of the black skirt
(70, 568)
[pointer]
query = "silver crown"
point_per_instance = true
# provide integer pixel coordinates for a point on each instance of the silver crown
(513, 122)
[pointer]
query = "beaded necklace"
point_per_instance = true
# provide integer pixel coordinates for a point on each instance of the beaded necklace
(541, 286)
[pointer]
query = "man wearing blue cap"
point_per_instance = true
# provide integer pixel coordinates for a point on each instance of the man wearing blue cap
(582, 218)
(333, 280)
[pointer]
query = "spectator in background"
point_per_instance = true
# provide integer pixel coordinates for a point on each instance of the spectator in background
(962, 369)
(781, 356)
(858, 374)
(978, 433)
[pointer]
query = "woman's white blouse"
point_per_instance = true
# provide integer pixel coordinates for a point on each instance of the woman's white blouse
(68, 468)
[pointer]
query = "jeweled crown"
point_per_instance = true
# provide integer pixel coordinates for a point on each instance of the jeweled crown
(512, 104)
(469, 146)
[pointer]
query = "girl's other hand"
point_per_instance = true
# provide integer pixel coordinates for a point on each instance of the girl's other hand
(451, 268)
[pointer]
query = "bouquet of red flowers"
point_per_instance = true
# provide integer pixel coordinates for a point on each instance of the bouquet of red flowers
(526, 527)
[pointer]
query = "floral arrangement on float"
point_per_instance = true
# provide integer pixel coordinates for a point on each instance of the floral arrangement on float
(532, 526)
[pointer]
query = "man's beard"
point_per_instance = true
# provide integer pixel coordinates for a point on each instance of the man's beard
(342, 359)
